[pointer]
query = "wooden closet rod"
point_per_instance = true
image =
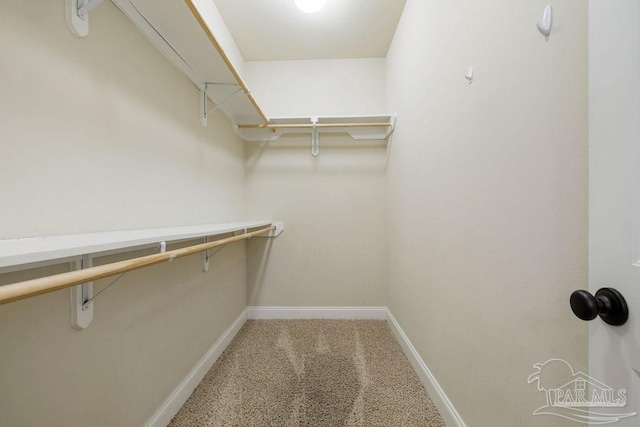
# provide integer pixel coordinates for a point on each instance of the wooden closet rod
(30, 288)
(225, 58)
(318, 125)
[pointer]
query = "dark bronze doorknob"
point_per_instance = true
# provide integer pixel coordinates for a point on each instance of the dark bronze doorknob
(608, 303)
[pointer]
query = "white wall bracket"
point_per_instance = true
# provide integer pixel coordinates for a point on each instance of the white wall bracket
(315, 139)
(392, 129)
(82, 296)
(81, 315)
(273, 233)
(206, 256)
(240, 232)
(544, 26)
(204, 112)
(77, 12)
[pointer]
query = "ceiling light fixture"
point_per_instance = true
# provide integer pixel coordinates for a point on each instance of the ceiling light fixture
(310, 6)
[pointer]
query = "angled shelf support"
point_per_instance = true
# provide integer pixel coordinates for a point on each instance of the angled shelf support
(279, 228)
(204, 95)
(315, 139)
(77, 12)
(82, 296)
(81, 312)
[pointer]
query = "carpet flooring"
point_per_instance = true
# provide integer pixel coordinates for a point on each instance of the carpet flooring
(310, 373)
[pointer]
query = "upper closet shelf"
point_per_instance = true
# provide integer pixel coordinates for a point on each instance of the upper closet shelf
(183, 31)
(19, 252)
(193, 35)
(360, 127)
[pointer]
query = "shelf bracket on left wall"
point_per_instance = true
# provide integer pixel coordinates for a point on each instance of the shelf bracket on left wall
(82, 313)
(204, 112)
(77, 12)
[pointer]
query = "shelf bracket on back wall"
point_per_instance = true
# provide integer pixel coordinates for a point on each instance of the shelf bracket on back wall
(204, 113)
(273, 233)
(315, 139)
(77, 12)
(206, 256)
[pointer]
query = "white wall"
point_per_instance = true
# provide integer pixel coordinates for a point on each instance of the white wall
(488, 197)
(103, 134)
(334, 249)
(89, 126)
(335, 87)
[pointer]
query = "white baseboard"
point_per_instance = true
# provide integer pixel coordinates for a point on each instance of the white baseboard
(179, 396)
(339, 313)
(445, 407)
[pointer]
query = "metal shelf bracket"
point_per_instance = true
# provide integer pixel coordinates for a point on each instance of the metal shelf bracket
(77, 12)
(82, 296)
(315, 139)
(81, 315)
(206, 256)
(204, 113)
(273, 233)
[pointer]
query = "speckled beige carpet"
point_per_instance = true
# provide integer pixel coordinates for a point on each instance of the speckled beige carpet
(310, 373)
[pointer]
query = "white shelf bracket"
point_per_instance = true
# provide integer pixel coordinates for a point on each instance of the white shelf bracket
(205, 257)
(77, 12)
(204, 113)
(239, 232)
(315, 142)
(273, 233)
(203, 107)
(81, 314)
(392, 120)
(82, 296)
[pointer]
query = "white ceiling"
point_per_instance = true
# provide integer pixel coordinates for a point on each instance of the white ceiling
(270, 30)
